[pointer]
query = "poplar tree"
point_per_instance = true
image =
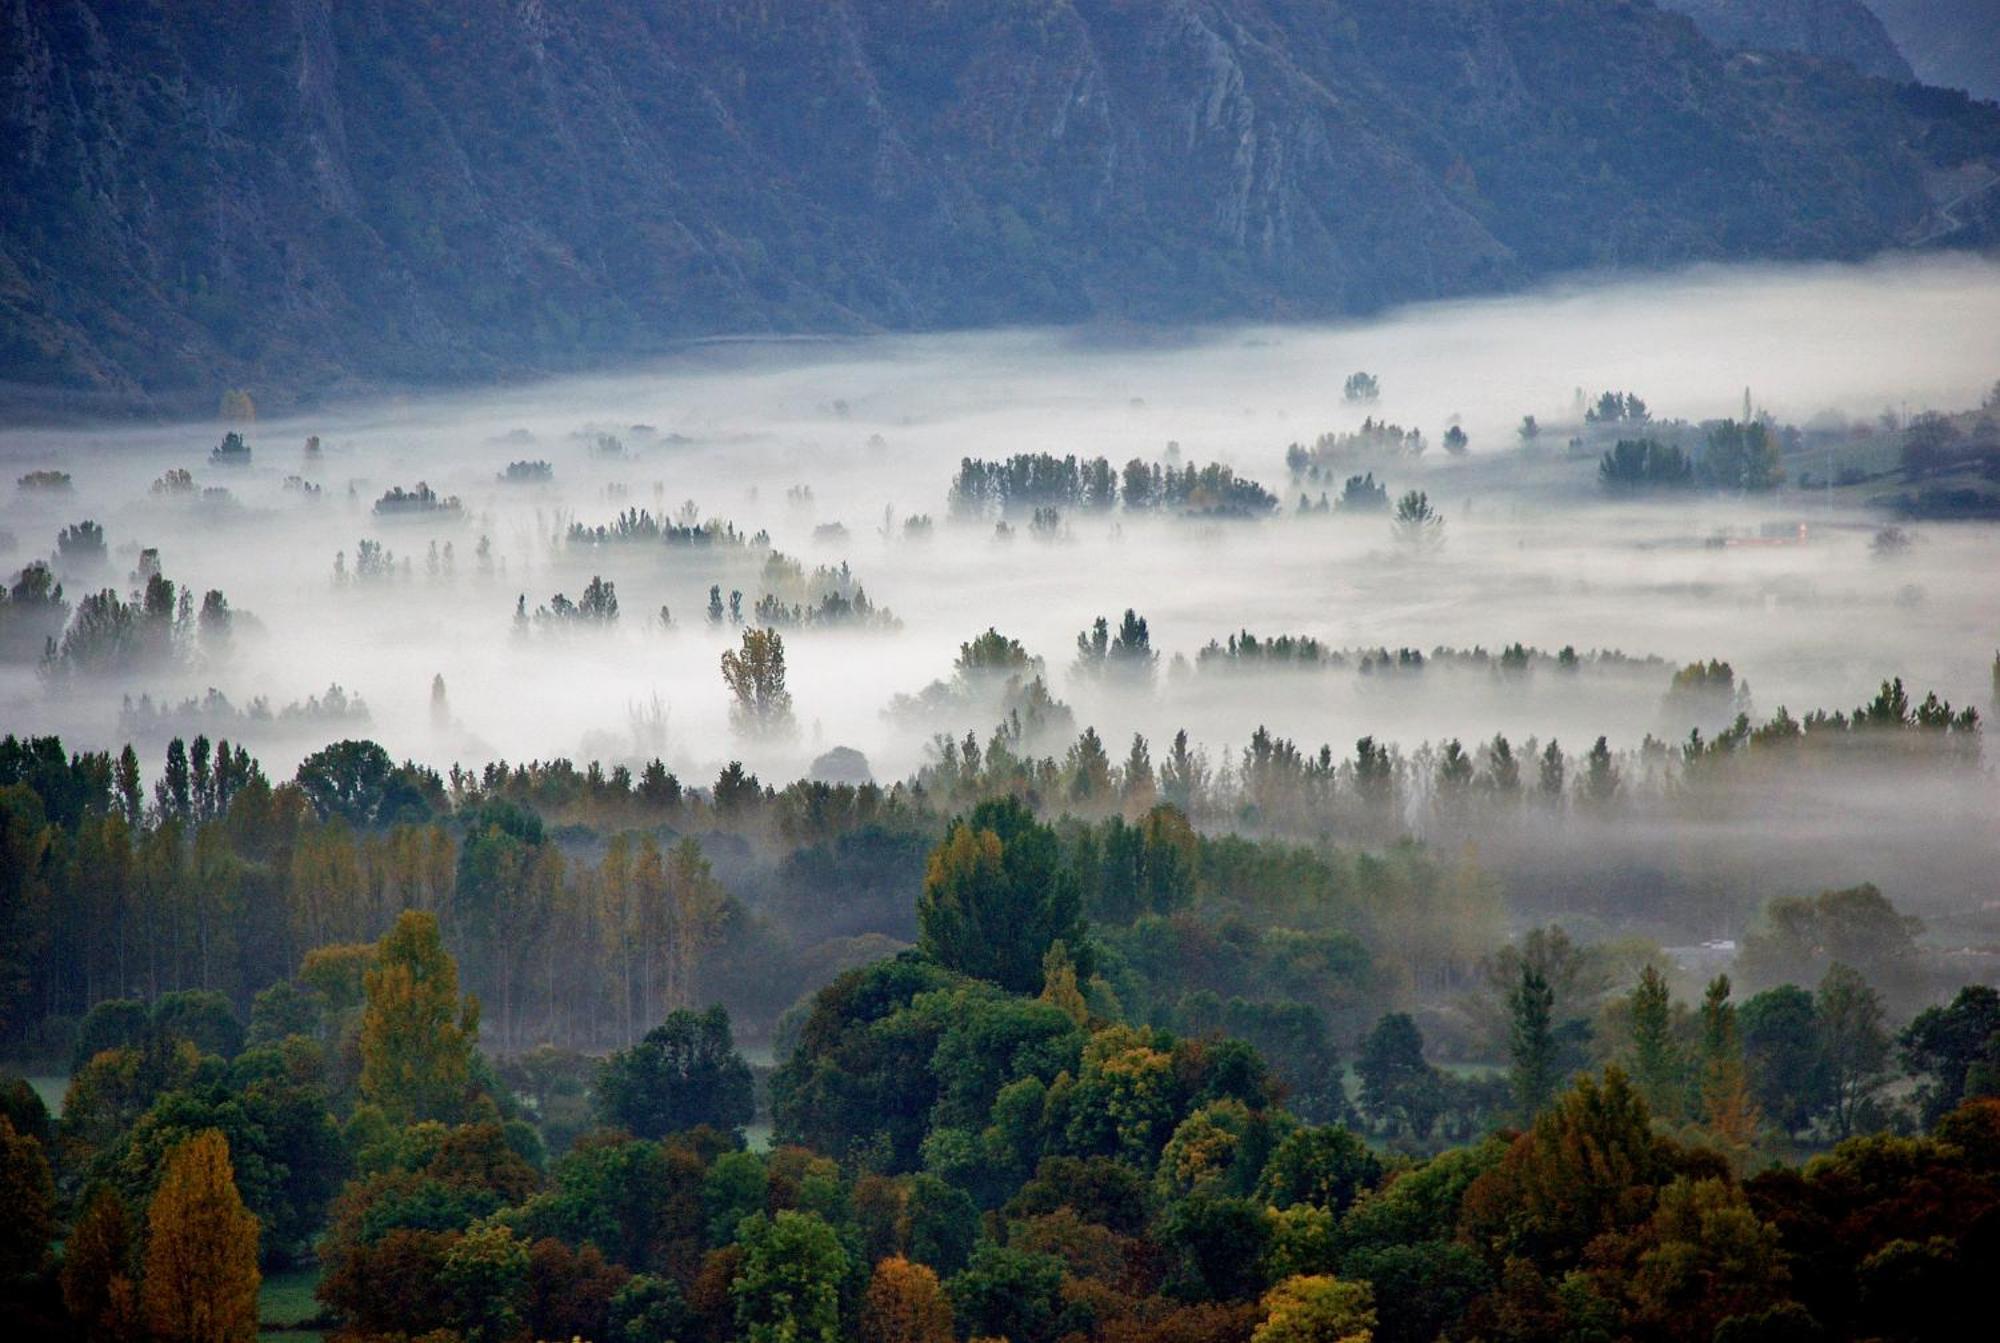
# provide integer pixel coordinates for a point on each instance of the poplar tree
(201, 1250)
(1657, 1065)
(1531, 1042)
(1727, 1108)
(417, 1036)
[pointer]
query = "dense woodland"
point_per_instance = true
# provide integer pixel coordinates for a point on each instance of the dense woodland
(1091, 1050)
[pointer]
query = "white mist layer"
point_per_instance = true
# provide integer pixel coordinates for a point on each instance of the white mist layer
(1532, 554)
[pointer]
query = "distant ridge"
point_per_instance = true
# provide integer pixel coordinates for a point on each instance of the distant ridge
(308, 197)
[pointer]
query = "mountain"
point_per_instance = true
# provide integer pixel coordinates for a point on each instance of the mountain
(1953, 43)
(1841, 30)
(305, 197)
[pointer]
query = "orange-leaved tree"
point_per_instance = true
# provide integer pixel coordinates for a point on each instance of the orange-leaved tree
(201, 1249)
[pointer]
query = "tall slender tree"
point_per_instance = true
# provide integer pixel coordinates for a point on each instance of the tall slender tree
(417, 1036)
(201, 1277)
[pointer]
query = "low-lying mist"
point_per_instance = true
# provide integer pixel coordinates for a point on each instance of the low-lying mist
(833, 448)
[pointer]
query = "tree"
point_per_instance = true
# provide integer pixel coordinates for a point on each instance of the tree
(1742, 456)
(485, 1277)
(1635, 464)
(1930, 443)
(495, 895)
(1417, 523)
(686, 1072)
(417, 1037)
(100, 1287)
(1600, 775)
(1954, 1051)
(788, 1288)
(1798, 937)
(1125, 653)
(201, 1276)
(1361, 388)
(1710, 1258)
(1317, 1309)
(1588, 1166)
(1659, 1068)
(905, 1304)
(27, 1194)
(1399, 1087)
(1853, 1042)
(755, 675)
(1728, 1110)
(1531, 1042)
(997, 895)
(358, 782)
(1787, 1066)
(1455, 441)
(1008, 1293)
(1324, 1167)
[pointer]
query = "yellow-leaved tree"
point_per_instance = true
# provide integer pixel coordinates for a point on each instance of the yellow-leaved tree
(905, 1304)
(201, 1275)
(417, 1036)
(1317, 1309)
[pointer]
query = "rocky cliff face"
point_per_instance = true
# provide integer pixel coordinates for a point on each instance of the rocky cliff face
(305, 196)
(1841, 30)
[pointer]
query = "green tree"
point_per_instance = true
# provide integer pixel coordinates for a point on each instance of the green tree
(1324, 1167)
(1798, 937)
(788, 1288)
(417, 1037)
(1853, 1042)
(1658, 1064)
(485, 1276)
(358, 782)
(686, 1072)
(1531, 1042)
(1417, 523)
(1399, 1087)
(1742, 456)
(997, 895)
(1008, 1293)
(1954, 1051)
(1787, 1065)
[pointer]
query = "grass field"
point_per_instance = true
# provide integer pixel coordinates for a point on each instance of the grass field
(286, 1304)
(51, 1089)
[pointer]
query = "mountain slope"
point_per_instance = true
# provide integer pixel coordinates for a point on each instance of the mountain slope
(311, 195)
